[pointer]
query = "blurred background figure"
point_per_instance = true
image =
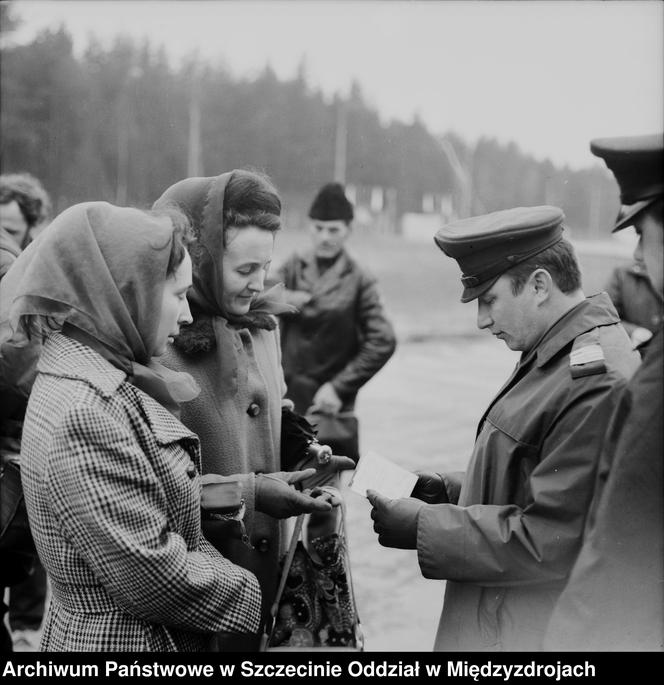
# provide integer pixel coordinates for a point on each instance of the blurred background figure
(639, 305)
(25, 208)
(339, 337)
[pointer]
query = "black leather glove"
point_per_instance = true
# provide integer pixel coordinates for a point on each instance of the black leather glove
(430, 488)
(395, 520)
(275, 496)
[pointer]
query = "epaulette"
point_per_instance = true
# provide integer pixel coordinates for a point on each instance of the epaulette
(587, 356)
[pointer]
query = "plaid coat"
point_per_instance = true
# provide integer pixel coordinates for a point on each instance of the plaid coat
(113, 495)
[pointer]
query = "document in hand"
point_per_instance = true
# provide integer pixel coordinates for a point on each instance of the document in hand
(374, 472)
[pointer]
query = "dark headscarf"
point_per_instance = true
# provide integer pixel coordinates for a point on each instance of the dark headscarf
(203, 200)
(96, 272)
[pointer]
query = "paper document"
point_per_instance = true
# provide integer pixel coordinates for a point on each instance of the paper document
(374, 472)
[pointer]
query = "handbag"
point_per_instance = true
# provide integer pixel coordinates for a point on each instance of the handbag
(16, 543)
(339, 431)
(314, 608)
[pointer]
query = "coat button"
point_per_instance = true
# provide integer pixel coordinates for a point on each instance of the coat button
(191, 470)
(254, 409)
(263, 545)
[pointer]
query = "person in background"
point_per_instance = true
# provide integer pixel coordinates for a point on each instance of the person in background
(505, 535)
(339, 336)
(110, 476)
(25, 208)
(614, 600)
(640, 306)
(232, 350)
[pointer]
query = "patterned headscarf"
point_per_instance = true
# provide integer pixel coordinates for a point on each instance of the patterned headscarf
(96, 272)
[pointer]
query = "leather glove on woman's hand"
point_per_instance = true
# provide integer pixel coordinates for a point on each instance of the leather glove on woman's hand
(324, 472)
(430, 488)
(395, 520)
(276, 497)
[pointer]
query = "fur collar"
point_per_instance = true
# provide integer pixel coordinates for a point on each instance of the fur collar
(197, 337)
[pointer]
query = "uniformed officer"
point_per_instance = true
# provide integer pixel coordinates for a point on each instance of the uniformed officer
(506, 535)
(614, 600)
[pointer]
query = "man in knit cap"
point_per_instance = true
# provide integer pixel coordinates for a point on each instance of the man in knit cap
(614, 600)
(505, 534)
(340, 336)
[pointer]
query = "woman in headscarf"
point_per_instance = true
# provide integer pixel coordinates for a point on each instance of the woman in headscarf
(232, 350)
(111, 478)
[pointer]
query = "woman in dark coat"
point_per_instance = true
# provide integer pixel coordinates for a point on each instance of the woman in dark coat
(232, 350)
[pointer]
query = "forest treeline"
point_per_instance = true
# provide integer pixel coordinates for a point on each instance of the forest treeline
(120, 123)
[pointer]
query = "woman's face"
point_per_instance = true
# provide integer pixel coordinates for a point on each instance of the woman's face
(174, 306)
(246, 260)
(13, 222)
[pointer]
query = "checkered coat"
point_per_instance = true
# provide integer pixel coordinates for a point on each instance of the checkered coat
(113, 495)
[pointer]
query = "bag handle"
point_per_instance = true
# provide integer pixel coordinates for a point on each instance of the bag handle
(288, 561)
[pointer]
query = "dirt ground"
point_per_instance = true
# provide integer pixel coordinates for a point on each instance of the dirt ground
(421, 411)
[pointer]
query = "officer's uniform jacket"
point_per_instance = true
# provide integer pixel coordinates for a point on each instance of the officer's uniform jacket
(112, 490)
(614, 600)
(340, 336)
(506, 547)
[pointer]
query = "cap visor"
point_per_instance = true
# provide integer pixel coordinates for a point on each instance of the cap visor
(628, 212)
(470, 294)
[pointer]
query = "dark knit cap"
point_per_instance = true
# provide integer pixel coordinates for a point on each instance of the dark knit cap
(331, 204)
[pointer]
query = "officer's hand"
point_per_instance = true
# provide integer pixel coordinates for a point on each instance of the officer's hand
(395, 520)
(326, 400)
(275, 496)
(430, 488)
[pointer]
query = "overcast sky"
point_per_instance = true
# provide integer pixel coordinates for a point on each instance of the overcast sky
(549, 75)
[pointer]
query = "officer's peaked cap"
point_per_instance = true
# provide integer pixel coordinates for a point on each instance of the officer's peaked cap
(487, 246)
(637, 162)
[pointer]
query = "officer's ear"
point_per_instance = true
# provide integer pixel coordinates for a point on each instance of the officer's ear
(542, 284)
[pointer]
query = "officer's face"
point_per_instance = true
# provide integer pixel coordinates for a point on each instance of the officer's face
(512, 318)
(650, 248)
(328, 237)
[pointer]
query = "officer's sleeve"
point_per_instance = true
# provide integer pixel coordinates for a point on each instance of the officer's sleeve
(506, 544)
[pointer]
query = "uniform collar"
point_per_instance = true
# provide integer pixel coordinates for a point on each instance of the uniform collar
(65, 357)
(594, 311)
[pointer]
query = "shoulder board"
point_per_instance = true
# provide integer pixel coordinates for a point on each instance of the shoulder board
(587, 355)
